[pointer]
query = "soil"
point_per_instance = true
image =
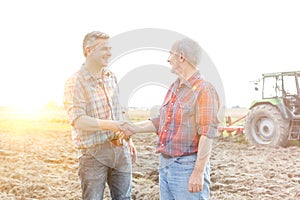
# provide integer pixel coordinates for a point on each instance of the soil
(43, 165)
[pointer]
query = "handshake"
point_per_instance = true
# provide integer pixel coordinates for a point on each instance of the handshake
(127, 128)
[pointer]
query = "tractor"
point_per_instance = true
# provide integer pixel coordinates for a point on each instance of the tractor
(275, 118)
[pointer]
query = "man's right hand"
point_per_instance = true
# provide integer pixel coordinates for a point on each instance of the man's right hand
(126, 127)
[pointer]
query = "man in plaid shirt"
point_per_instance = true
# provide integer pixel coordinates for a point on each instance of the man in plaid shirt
(186, 125)
(91, 100)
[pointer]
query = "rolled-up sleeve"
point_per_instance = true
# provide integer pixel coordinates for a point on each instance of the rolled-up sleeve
(155, 121)
(207, 109)
(74, 101)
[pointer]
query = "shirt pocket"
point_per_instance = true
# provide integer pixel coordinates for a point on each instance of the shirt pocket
(188, 117)
(187, 110)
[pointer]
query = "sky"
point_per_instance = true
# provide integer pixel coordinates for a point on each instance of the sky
(41, 42)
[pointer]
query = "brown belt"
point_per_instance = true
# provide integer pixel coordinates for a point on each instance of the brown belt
(166, 156)
(117, 142)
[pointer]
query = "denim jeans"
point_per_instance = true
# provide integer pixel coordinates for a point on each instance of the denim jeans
(105, 164)
(174, 179)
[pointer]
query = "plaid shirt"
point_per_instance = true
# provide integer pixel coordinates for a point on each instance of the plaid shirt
(98, 98)
(188, 111)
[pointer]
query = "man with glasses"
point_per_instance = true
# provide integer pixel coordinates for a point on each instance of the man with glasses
(91, 100)
(186, 124)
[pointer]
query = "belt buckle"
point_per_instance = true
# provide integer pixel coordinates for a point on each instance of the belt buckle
(117, 142)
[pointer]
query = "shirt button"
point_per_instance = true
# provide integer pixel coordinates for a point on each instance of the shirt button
(165, 130)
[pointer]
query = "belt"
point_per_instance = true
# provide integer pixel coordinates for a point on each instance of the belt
(117, 142)
(166, 156)
(119, 138)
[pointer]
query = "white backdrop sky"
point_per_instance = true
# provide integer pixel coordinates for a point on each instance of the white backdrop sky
(40, 41)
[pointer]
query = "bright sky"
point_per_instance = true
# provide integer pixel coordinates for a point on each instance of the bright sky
(41, 41)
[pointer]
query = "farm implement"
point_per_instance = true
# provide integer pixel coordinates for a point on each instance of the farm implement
(275, 118)
(231, 128)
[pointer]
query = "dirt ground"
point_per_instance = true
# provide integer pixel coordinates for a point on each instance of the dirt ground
(43, 165)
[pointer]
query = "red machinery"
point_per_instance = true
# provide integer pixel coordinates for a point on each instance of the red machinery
(230, 128)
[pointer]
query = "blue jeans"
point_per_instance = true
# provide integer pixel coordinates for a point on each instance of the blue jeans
(100, 165)
(174, 179)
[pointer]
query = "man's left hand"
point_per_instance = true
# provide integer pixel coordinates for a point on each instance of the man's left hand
(133, 151)
(196, 181)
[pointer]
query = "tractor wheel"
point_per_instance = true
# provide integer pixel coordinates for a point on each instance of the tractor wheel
(265, 125)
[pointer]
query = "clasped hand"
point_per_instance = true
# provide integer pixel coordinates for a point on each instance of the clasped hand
(126, 127)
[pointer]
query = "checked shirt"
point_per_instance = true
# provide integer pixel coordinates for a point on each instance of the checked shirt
(99, 98)
(189, 110)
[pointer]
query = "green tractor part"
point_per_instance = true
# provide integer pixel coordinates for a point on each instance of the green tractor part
(275, 119)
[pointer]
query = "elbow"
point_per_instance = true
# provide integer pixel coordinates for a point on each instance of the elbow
(78, 124)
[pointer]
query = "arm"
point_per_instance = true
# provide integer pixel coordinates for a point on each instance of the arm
(197, 177)
(206, 117)
(144, 126)
(203, 155)
(75, 105)
(87, 123)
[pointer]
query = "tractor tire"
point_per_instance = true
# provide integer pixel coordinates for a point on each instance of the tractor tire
(265, 125)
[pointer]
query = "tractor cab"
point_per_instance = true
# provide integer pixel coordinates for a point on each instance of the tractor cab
(285, 86)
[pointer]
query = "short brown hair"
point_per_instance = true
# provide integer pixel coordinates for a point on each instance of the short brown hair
(91, 37)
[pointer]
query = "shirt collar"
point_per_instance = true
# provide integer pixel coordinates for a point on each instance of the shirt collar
(190, 82)
(87, 75)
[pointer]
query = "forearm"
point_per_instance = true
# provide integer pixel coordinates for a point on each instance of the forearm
(87, 123)
(144, 127)
(204, 151)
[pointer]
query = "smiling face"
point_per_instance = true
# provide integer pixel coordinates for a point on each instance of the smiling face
(99, 52)
(96, 49)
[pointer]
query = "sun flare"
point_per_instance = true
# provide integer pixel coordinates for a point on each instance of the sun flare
(27, 109)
